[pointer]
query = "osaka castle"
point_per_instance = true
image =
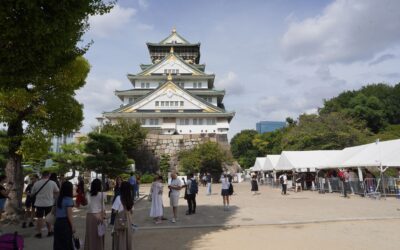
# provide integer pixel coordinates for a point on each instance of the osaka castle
(173, 94)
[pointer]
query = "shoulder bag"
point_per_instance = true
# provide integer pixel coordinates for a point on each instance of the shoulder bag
(101, 227)
(33, 196)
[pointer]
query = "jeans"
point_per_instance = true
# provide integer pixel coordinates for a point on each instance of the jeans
(209, 188)
(284, 187)
(191, 200)
(345, 186)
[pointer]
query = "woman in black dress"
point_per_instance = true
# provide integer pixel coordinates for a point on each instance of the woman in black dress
(254, 185)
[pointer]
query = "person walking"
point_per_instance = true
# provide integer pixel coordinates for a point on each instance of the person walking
(225, 191)
(157, 210)
(29, 203)
(175, 186)
(117, 191)
(191, 191)
(132, 181)
(64, 227)
(122, 233)
(137, 194)
(254, 185)
(283, 181)
(4, 193)
(44, 192)
(94, 217)
(208, 180)
(346, 178)
(80, 193)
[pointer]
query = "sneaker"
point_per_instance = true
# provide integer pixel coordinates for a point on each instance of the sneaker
(38, 235)
(173, 220)
(31, 224)
(24, 225)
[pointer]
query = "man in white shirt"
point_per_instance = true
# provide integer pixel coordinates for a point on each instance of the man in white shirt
(44, 191)
(283, 181)
(175, 186)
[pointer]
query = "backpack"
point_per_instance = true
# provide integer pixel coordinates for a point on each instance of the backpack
(341, 175)
(281, 180)
(230, 190)
(194, 189)
(11, 242)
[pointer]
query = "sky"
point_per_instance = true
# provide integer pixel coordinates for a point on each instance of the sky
(274, 58)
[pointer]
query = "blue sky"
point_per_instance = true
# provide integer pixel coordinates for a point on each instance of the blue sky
(274, 58)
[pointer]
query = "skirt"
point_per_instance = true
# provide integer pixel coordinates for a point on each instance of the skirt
(92, 240)
(225, 192)
(62, 235)
(122, 239)
(254, 186)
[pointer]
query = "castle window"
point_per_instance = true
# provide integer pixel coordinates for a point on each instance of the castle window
(186, 121)
(181, 103)
(131, 99)
(200, 121)
(166, 104)
(157, 104)
(162, 104)
(199, 85)
(194, 121)
(176, 103)
(142, 85)
(147, 85)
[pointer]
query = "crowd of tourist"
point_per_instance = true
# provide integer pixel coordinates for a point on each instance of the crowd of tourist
(50, 200)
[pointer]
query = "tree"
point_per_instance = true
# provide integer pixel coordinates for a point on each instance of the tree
(206, 157)
(327, 131)
(130, 135)
(165, 165)
(242, 148)
(105, 156)
(71, 157)
(40, 69)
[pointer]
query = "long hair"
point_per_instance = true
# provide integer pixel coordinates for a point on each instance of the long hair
(65, 191)
(53, 177)
(126, 195)
(95, 187)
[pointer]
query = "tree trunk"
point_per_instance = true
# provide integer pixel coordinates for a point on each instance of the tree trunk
(14, 170)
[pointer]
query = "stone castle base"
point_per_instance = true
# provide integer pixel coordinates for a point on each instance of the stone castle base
(159, 144)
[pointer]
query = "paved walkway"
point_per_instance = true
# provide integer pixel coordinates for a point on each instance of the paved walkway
(300, 217)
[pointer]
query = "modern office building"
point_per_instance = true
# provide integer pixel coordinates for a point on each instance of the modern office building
(269, 126)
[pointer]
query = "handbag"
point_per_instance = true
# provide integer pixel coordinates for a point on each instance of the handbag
(101, 227)
(121, 221)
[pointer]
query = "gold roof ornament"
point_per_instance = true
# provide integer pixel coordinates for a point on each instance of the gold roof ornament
(169, 78)
(171, 50)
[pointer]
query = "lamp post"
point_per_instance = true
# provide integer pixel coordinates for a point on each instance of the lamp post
(100, 119)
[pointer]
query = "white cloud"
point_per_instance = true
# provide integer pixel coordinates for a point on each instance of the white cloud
(144, 4)
(231, 84)
(105, 25)
(346, 31)
(98, 96)
(382, 58)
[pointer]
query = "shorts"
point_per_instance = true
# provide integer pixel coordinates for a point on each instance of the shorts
(225, 192)
(2, 203)
(43, 211)
(173, 201)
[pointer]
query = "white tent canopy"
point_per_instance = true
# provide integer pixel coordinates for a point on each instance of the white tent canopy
(259, 164)
(303, 161)
(271, 162)
(377, 154)
(341, 157)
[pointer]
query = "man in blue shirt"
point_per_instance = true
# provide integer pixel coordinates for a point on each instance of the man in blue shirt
(133, 182)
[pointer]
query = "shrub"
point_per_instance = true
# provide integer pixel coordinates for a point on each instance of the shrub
(147, 178)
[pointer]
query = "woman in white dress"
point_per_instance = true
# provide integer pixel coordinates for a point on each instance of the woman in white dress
(156, 210)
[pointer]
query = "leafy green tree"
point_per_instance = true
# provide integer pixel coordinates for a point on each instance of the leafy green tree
(131, 136)
(330, 131)
(242, 148)
(165, 165)
(71, 157)
(105, 155)
(270, 142)
(40, 69)
(206, 157)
